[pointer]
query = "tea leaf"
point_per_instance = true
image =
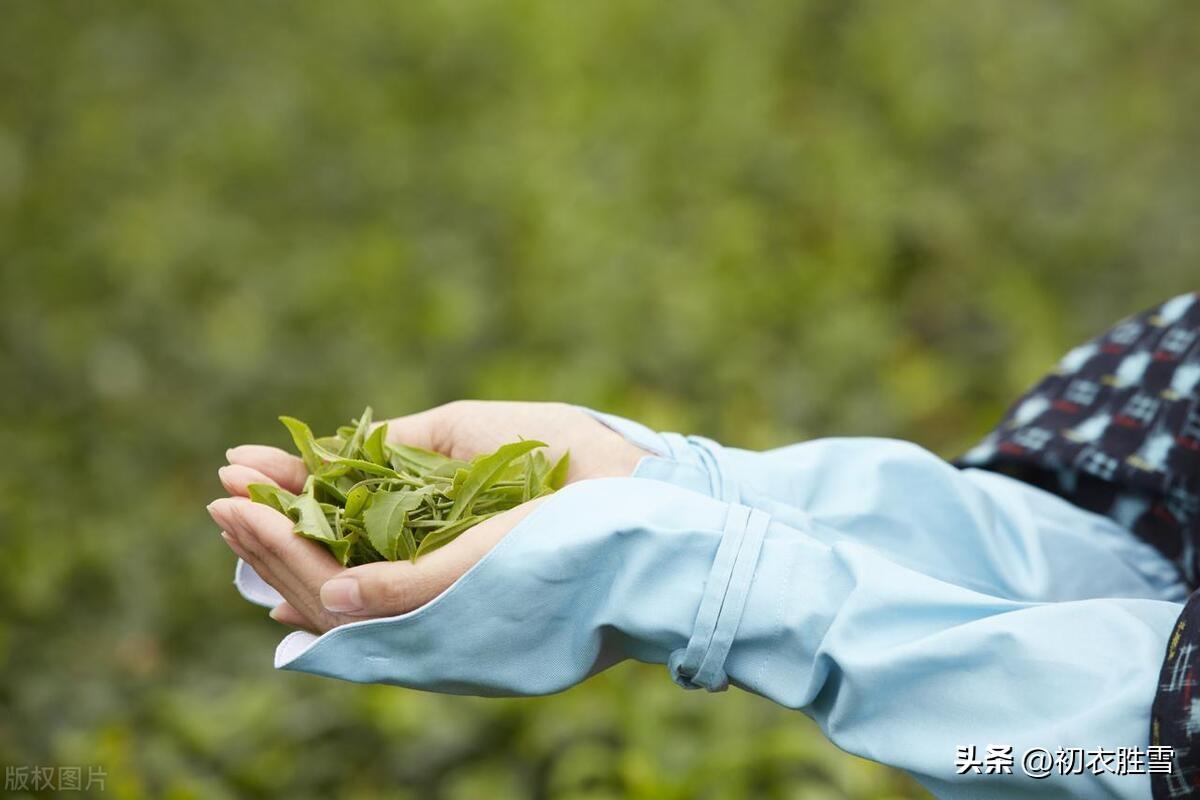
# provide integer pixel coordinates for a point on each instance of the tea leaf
(271, 495)
(333, 444)
(303, 437)
(365, 466)
(535, 474)
(485, 470)
(556, 478)
(312, 452)
(361, 429)
(328, 489)
(310, 519)
(443, 536)
(356, 499)
(406, 545)
(340, 548)
(456, 484)
(385, 518)
(414, 459)
(373, 446)
(367, 499)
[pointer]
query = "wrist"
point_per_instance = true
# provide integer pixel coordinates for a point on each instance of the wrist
(689, 462)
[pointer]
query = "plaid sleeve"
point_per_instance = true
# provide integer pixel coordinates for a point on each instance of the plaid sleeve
(1175, 716)
(1115, 429)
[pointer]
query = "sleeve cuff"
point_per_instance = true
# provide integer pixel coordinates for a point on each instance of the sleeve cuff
(252, 587)
(701, 665)
(633, 432)
(690, 462)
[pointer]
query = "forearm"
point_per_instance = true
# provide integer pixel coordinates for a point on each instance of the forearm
(977, 529)
(895, 666)
(903, 669)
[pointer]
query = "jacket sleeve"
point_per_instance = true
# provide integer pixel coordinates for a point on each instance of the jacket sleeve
(895, 665)
(985, 531)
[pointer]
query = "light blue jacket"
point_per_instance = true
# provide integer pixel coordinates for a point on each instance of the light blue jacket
(909, 607)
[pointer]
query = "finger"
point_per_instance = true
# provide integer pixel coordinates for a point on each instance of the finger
(290, 615)
(274, 534)
(265, 555)
(222, 515)
(300, 563)
(236, 477)
(384, 589)
(286, 614)
(270, 536)
(280, 466)
(222, 512)
(235, 547)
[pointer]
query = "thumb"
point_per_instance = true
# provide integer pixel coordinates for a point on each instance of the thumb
(387, 588)
(383, 589)
(423, 429)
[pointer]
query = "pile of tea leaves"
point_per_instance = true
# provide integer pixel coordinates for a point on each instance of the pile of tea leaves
(368, 499)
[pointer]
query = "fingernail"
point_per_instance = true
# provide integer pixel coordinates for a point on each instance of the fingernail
(229, 454)
(216, 510)
(341, 594)
(223, 511)
(274, 613)
(234, 546)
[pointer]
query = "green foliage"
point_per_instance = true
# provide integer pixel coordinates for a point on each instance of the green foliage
(364, 511)
(760, 221)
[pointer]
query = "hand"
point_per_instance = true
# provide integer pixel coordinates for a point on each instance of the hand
(319, 593)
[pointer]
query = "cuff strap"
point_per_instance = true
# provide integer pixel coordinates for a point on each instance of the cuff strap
(702, 664)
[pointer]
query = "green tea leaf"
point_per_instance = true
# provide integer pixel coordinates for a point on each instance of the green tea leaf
(302, 435)
(333, 444)
(361, 429)
(340, 548)
(484, 471)
(365, 466)
(406, 545)
(310, 519)
(556, 478)
(515, 471)
(535, 474)
(313, 454)
(503, 496)
(414, 459)
(385, 520)
(444, 536)
(356, 500)
(366, 499)
(373, 446)
(460, 478)
(325, 489)
(448, 469)
(271, 495)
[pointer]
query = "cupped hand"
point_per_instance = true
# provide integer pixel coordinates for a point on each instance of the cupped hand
(319, 593)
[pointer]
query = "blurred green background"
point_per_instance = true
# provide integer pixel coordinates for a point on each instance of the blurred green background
(759, 221)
